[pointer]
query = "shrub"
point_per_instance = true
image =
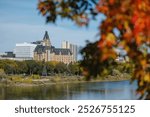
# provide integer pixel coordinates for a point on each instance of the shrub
(16, 78)
(116, 72)
(35, 76)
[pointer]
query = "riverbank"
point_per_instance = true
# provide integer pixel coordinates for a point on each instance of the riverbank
(71, 91)
(18, 80)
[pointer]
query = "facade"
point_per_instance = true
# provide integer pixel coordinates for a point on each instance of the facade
(73, 48)
(42, 53)
(45, 51)
(24, 51)
(61, 55)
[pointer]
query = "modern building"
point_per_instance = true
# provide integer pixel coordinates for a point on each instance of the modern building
(65, 45)
(45, 51)
(24, 51)
(73, 48)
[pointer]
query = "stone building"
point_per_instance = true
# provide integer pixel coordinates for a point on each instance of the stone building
(45, 51)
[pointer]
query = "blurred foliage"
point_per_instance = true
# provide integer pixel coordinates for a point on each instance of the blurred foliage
(75, 10)
(92, 65)
(130, 18)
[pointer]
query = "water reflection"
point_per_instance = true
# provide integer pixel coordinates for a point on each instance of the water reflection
(77, 91)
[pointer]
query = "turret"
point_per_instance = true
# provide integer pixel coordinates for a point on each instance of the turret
(46, 40)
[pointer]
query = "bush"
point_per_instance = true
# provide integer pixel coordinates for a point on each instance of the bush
(28, 80)
(16, 78)
(56, 79)
(116, 72)
(35, 76)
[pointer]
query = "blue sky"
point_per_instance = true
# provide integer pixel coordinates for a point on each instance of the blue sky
(20, 22)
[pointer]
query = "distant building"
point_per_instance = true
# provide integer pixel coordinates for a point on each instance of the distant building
(65, 45)
(73, 48)
(24, 51)
(45, 51)
(42, 50)
(121, 55)
(8, 54)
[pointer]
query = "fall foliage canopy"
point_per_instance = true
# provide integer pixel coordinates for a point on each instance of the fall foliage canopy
(131, 18)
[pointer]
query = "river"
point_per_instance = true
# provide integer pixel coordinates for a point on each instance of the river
(120, 90)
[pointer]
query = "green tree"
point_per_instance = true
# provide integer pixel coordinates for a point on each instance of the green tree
(2, 74)
(60, 68)
(73, 68)
(38, 69)
(21, 67)
(50, 67)
(31, 64)
(10, 67)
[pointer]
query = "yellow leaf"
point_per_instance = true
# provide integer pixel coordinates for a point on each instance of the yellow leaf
(141, 83)
(143, 63)
(111, 39)
(147, 77)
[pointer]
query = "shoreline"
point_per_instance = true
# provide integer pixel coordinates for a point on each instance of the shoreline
(48, 82)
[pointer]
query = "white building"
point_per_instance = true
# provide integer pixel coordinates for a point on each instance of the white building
(73, 48)
(24, 51)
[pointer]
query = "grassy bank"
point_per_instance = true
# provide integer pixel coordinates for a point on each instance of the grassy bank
(35, 80)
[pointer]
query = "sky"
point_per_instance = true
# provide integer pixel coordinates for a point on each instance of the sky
(20, 22)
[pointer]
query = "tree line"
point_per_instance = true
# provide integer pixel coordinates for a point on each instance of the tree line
(41, 68)
(29, 67)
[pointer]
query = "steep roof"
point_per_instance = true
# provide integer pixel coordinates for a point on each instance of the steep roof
(57, 51)
(61, 51)
(46, 36)
(40, 49)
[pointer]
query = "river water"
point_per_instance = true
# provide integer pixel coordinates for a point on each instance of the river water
(121, 90)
